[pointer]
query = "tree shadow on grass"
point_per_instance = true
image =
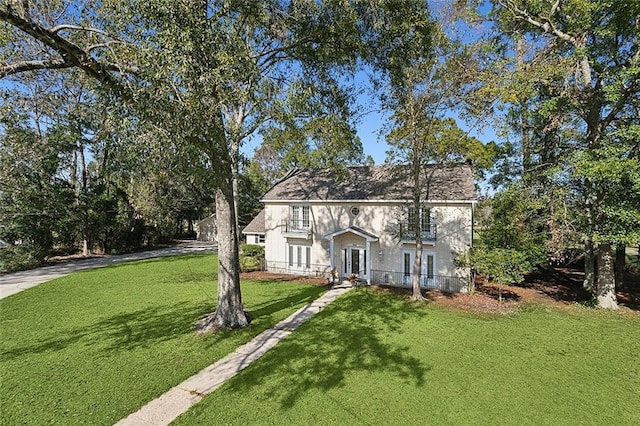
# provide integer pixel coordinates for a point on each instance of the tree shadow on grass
(494, 292)
(347, 336)
(153, 325)
(305, 295)
(124, 331)
(560, 284)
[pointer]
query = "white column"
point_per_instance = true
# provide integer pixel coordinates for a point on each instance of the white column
(368, 249)
(331, 260)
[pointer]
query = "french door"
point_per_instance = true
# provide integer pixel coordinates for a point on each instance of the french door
(427, 272)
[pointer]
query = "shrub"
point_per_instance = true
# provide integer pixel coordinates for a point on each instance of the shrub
(504, 266)
(16, 258)
(251, 257)
(253, 250)
(249, 264)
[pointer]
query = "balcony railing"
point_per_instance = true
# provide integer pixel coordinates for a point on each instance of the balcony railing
(300, 226)
(428, 232)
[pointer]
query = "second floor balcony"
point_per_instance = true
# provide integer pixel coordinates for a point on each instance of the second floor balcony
(428, 231)
(296, 227)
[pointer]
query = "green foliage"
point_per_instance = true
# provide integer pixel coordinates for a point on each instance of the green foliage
(95, 346)
(248, 263)
(516, 224)
(36, 205)
(614, 170)
(504, 266)
(563, 76)
(253, 250)
(251, 257)
(252, 186)
(435, 141)
(16, 258)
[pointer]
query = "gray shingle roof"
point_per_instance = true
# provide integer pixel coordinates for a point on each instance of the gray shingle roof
(372, 183)
(256, 226)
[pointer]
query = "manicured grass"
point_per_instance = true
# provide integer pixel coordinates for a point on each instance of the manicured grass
(376, 360)
(95, 346)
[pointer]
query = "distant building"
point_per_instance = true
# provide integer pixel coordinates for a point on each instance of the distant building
(206, 229)
(254, 232)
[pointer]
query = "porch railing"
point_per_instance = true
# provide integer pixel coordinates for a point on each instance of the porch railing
(429, 282)
(312, 270)
(444, 283)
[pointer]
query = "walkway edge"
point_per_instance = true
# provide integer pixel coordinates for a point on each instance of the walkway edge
(177, 400)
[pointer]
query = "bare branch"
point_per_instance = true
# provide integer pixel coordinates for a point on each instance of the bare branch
(23, 66)
(63, 27)
(97, 46)
(71, 54)
(547, 25)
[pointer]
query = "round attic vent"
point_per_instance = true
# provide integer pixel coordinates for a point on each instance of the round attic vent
(355, 210)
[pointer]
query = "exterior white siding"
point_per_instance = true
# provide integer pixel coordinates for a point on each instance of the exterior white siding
(381, 220)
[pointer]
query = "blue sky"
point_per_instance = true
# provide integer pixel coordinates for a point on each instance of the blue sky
(371, 123)
(374, 145)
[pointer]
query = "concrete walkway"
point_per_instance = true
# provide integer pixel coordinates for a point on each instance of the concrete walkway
(19, 281)
(166, 408)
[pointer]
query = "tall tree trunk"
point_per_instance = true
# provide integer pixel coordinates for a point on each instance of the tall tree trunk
(417, 269)
(236, 195)
(416, 223)
(524, 113)
(606, 282)
(590, 274)
(229, 313)
(589, 283)
(621, 257)
(86, 247)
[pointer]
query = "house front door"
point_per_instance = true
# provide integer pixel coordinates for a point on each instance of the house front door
(355, 262)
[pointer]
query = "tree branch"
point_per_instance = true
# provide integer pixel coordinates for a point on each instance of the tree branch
(547, 25)
(63, 27)
(72, 55)
(23, 66)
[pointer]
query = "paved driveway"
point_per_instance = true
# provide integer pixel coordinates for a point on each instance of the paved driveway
(18, 281)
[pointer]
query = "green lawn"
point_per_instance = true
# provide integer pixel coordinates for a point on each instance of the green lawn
(95, 346)
(376, 360)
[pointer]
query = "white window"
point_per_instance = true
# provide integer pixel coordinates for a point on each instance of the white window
(299, 257)
(260, 239)
(425, 218)
(299, 218)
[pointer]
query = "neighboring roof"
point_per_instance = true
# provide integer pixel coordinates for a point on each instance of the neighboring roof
(373, 183)
(256, 226)
(209, 220)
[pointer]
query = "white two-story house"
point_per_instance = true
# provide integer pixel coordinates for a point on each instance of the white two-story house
(356, 223)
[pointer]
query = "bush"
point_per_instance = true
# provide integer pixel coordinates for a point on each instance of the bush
(253, 250)
(504, 266)
(249, 264)
(251, 257)
(16, 258)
